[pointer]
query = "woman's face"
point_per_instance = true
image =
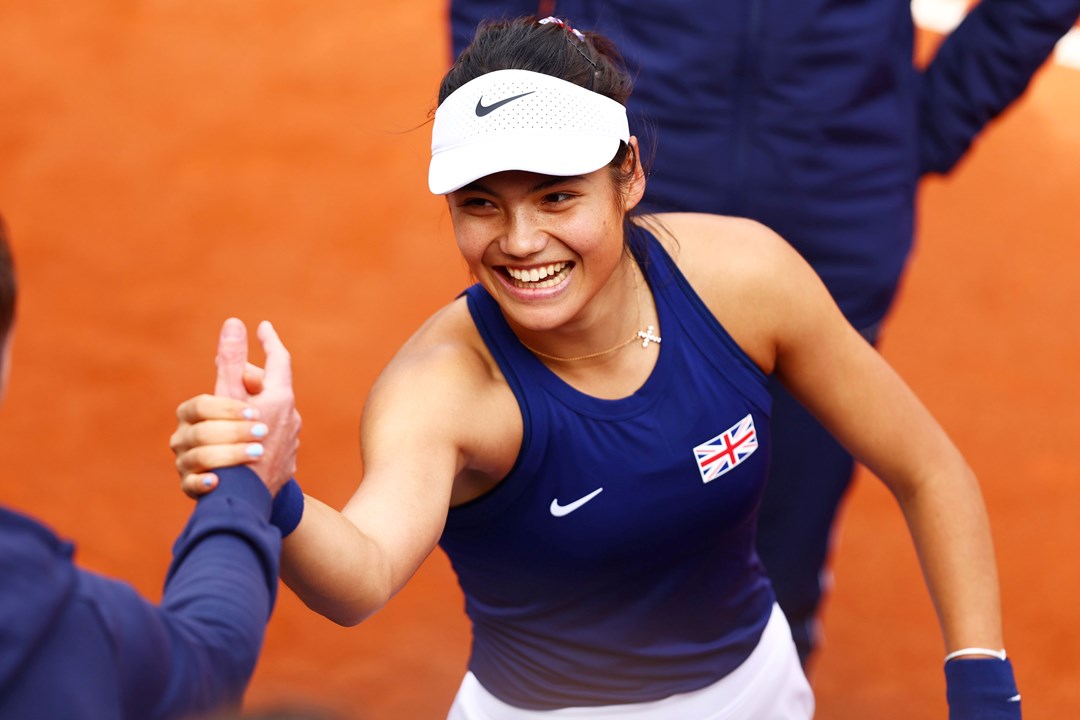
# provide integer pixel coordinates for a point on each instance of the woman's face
(545, 247)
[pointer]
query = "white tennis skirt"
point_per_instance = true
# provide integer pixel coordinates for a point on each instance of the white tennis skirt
(769, 685)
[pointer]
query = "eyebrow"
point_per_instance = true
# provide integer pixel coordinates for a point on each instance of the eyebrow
(548, 182)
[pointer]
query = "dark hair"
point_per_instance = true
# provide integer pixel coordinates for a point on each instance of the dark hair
(8, 288)
(591, 61)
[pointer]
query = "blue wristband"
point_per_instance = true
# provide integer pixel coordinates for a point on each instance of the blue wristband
(981, 689)
(288, 507)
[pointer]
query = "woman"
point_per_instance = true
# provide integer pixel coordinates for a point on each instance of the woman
(596, 426)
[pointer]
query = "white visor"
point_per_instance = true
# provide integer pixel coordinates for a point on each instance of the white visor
(522, 120)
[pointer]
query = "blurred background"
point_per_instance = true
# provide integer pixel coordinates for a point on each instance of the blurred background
(167, 164)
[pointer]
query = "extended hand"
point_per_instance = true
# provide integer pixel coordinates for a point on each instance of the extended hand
(251, 419)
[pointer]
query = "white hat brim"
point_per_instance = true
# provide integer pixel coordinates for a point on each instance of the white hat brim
(522, 120)
(558, 154)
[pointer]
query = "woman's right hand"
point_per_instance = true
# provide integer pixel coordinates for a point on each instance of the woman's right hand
(250, 420)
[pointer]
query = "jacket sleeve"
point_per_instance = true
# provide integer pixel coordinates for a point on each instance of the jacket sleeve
(981, 67)
(197, 650)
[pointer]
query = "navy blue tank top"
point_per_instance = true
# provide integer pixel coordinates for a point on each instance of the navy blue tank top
(615, 563)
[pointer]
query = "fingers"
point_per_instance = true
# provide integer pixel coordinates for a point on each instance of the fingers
(222, 429)
(216, 432)
(278, 362)
(253, 379)
(205, 458)
(198, 484)
(231, 360)
(229, 427)
(213, 407)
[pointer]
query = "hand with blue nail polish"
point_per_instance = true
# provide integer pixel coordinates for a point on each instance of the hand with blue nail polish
(251, 418)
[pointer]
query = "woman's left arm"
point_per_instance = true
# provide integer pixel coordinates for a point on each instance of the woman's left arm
(778, 310)
(870, 410)
(864, 403)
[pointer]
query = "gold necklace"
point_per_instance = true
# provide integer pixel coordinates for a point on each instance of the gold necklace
(589, 355)
(646, 336)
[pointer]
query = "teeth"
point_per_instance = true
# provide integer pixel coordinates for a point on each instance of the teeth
(533, 275)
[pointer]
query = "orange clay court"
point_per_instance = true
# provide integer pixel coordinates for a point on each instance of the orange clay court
(164, 165)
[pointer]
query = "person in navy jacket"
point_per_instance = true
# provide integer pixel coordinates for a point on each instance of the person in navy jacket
(75, 644)
(810, 117)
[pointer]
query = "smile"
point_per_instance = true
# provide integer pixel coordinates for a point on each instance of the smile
(539, 277)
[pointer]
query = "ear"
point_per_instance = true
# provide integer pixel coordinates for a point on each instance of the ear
(635, 190)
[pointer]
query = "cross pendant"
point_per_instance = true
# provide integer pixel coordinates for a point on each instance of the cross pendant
(648, 335)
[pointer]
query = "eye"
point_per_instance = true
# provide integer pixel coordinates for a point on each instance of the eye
(474, 202)
(556, 198)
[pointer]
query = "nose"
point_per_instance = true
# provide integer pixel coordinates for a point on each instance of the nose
(523, 234)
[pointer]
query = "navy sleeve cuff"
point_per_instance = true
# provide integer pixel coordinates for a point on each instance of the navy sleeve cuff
(242, 483)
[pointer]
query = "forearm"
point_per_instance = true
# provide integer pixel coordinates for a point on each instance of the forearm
(982, 67)
(216, 626)
(196, 651)
(951, 531)
(335, 568)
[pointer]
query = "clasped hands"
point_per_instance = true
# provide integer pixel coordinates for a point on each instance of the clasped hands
(251, 419)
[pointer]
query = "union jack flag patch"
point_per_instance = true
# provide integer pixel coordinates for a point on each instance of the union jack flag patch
(726, 450)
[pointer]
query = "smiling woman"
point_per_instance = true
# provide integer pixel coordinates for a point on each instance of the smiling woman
(598, 496)
(512, 226)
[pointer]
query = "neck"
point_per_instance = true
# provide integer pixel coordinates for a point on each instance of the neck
(625, 321)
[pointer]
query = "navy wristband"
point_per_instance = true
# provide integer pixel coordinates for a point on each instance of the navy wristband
(981, 689)
(288, 507)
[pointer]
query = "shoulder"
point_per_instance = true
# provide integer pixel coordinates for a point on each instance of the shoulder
(752, 280)
(446, 350)
(444, 386)
(29, 544)
(443, 371)
(726, 258)
(705, 246)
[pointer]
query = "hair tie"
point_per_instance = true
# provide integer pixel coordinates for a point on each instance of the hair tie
(582, 42)
(563, 24)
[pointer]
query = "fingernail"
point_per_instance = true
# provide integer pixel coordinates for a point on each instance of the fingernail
(259, 430)
(250, 413)
(232, 332)
(208, 481)
(254, 450)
